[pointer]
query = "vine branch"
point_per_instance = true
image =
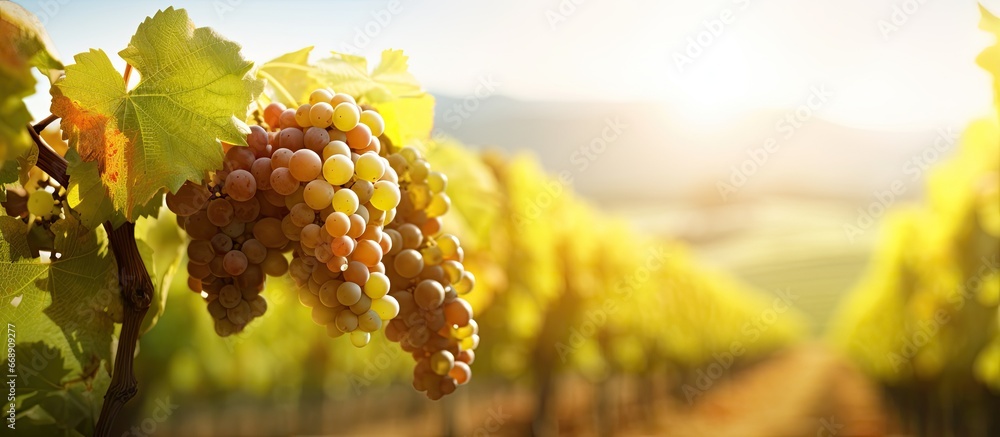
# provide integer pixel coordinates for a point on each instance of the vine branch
(134, 283)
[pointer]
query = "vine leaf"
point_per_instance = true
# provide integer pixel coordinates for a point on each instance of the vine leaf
(64, 304)
(193, 85)
(407, 109)
(293, 74)
(25, 45)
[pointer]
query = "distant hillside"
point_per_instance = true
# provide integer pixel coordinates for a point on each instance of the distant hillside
(660, 156)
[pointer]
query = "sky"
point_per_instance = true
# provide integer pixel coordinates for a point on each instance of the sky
(890, 64)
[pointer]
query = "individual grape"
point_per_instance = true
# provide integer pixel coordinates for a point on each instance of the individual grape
(310, 235)
(363, 305)
(345, 201)
(348, 293)
(328, 292)
(290, 229)
(272, 113)
(200, 251)
(369, 167)
(432, 255)
(302, 215)
(386, 307)
(359, 137)
(341, 98)
(374, 122)
(441, 362)
(397, 242)
(386, 195)
(323, 315)
(287, 119)
(261, 171)
(338, 169)
(432, 227)
(428, 294)
(247, 211)
(216, 310)
(357, 273)
(199, 271)
(321, 115)
(220, 212)
(320, 95)
(257, 141)
(408, 263)
(448, 244)
(360, 338)
(258, 306)
(240, 314)
(230, 296)
(367, 252)
(274, 263)
(254, 250)
(337, 224)
(369, 321)
(268, 232)
(466, 283)
(302, 115)
(337, 264)
(224, 328)
(453, 270)
(461, 372)
(280, 158)
(199, 227)
(291, 138)
(346, 116)
(305, 165)
(377, 285)
(342, 246)
(411, 236)
(333, 331)
(346, 321)
(437, 182)
(316, 139)
(364, 189)
(276, 201)
(235, 262)
(282, 181)
(358, 225)
(336, 147)
(238, 158)
(221, 243)
(251, 281)
(240, 185)
(188, 199)
(297, 197)
(318, 194)
(458, 312)
(439, 205)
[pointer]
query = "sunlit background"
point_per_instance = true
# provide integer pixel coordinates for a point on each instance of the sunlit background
(754, 141)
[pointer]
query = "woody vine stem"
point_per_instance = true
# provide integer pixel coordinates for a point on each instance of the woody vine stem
(134, 283)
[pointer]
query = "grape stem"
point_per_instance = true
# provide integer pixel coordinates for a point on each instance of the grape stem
(133, 280)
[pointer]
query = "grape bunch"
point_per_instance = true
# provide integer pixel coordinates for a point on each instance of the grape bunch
(427, 277)
(362, 226)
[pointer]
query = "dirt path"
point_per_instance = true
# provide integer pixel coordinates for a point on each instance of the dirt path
(807, 391)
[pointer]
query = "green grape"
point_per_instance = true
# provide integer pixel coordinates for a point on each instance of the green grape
(441, 362)
(385, 196)
(318, 194)
(320, 95)
(336, 147)
(369, 321)
(369, 167)
(437, 182)
(360, 338)
(338, 169)
(40, 203)
(345, 201)
(346, 116)
(377, 285)
(374, 122)
(439, 205)
(302, 115)
(386, 307)
(341, 98)
(466, 283)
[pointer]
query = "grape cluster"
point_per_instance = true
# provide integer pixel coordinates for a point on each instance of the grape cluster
(427, 277)
(362, 225)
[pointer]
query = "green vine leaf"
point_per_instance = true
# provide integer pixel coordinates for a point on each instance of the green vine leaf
(25, 45)
(290, 78)
(194, 90)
